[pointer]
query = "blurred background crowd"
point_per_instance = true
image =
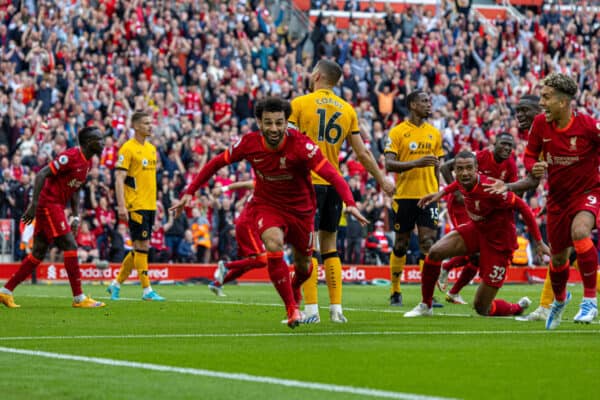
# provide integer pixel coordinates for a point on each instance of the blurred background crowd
(201, 65)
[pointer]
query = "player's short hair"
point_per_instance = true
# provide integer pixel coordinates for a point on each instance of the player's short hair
(138, 115)
(87, 133)
(506, 135)
(331, 71)
(272, 104)
(466, 154)
(561, 83)
(412, 97)
(530, 98)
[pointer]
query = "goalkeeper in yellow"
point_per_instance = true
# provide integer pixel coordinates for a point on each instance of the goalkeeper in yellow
(329, 121)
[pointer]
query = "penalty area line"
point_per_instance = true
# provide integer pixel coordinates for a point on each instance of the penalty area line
(324, 387)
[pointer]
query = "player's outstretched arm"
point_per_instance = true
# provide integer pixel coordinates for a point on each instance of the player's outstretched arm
(518, 187)
(430, 198)
(38, 184)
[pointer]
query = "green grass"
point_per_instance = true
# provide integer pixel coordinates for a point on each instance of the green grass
(459, 355)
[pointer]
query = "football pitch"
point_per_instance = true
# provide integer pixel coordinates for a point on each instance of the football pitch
(198, 346)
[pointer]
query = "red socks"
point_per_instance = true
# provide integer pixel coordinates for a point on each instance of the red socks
(430, 275)
(455, 262)
(26, 268)
(501, 308)
(587, 259)
(240, 267)
(466, 276)
(558, 278)
(280, 276)
(72, 267)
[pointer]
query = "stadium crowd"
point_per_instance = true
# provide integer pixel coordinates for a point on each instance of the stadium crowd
(200, 67)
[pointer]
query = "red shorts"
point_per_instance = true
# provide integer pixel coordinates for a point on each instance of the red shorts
(298, 231)
(457, 211)
(51, 222)
(247, 236)
(493, 263)
(560, 218)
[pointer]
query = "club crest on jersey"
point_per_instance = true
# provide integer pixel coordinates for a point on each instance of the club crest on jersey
(477, 205)
(413, 146)
(573, 142)
(144, 163)
(282, 163)
(120, 159)
(63, 160)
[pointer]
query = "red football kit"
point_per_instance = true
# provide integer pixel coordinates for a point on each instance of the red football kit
(573, 182)
(69, 171)
(284, 196)
(491, 231)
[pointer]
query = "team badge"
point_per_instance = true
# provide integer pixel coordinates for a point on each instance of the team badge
(63, 160)
(413, 146)
(144, 162)
(573, 142)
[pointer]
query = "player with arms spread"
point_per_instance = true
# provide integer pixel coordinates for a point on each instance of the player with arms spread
(330, 121)
(496, 164)
(55, 185)
(284, 199)
(491, 232)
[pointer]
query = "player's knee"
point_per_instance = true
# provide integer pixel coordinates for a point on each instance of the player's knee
(400, 249)
(481, 308)
(436, 254)
(425, 244)
(580, 232)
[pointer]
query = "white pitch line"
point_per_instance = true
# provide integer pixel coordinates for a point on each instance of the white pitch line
(240, 303)
(227, 375)
(297, 333)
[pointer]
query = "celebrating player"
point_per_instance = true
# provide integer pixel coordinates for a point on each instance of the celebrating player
(491, 232)
(329, 121)
(568, 142)
(284, 197)
(496, 164)
(56, 185)
(135, 188)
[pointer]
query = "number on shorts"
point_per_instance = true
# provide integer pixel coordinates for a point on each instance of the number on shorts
(434, 214)
(592, 200)
(497, 273)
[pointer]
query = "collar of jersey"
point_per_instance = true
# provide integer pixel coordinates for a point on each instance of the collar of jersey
(82, 155)
(571, 120)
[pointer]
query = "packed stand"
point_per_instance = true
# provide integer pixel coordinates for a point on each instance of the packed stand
(200, 68)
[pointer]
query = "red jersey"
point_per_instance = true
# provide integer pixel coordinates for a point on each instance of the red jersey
(69, 171)
(571, 154)
(493, 214)
(283, 175)
(506, 170)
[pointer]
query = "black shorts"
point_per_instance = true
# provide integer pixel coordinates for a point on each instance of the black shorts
(329, 208)
(407, 214)
(140, 224)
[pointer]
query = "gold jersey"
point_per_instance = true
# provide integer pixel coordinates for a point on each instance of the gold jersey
(327, 120)
(139, 160)
(409, 142)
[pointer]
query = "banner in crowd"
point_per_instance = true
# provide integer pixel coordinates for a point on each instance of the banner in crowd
(188, 272)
